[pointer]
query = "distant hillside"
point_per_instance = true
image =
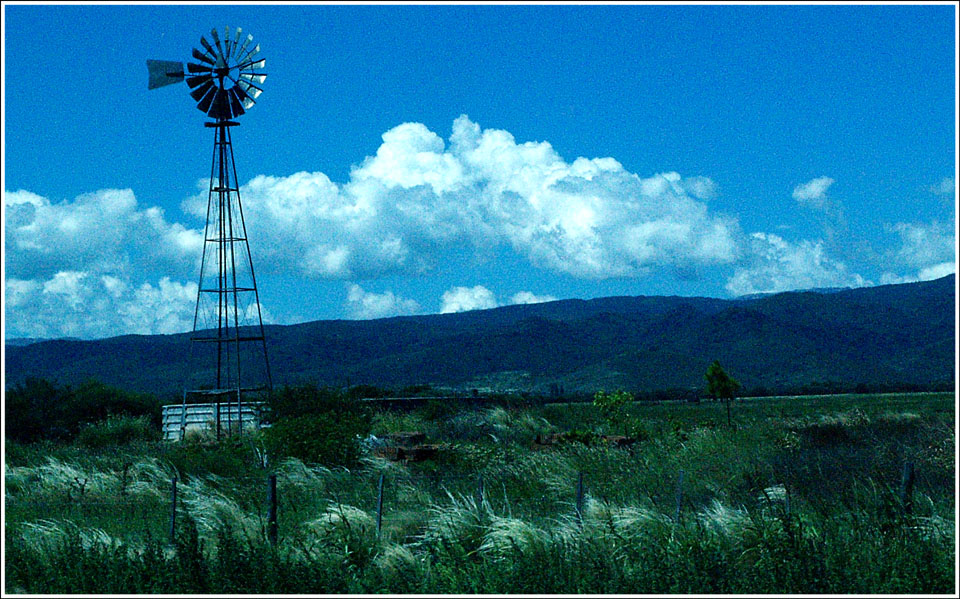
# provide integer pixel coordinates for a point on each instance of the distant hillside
(900, 334)
(19, 341)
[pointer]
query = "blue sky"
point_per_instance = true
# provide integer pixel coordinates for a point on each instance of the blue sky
(422, 159)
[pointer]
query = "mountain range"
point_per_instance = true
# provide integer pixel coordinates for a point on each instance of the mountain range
(886, 335)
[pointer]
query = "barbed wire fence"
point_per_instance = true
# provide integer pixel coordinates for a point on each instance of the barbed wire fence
(398, 502)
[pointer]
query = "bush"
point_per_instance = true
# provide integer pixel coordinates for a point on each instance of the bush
(316, 424)
(228, 457)
(435, 410)
(39, 409)
(613, 407)
(331, 439)
(310, 400)
(117, 430)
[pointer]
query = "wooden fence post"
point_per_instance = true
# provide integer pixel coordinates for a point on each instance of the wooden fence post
(272, 509)
(906, 488)
(380, 506)
(173, 509)
(676, 516)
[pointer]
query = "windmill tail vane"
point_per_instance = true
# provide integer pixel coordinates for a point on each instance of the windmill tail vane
(228, 350)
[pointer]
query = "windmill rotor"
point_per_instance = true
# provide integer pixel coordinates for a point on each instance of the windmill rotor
(226, 79)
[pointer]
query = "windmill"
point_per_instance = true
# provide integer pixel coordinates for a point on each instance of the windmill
(228, 346)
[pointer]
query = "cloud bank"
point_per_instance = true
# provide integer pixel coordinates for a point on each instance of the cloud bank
(101, 264)
(462, 299)
(928, 249)
(776, 265)
(80, 304)
(367, 305)
(405, 207)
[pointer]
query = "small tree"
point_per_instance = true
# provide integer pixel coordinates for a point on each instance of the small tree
(721, 385)
(613, 406)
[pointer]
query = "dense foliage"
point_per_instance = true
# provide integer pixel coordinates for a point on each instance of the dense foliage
(38, 409)
(317, 425)
(117, 430)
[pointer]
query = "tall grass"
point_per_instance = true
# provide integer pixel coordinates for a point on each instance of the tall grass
(802, 502)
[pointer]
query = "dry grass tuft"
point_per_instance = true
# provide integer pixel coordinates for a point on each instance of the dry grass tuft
(506, 537)
(460, 522)
(213, 511)
(45, 535)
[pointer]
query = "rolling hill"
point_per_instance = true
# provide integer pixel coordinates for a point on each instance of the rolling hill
(891, 334)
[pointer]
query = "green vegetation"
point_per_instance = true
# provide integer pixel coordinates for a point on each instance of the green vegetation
(721, 385)
(802, 496)
(38, 409)
(117, 430)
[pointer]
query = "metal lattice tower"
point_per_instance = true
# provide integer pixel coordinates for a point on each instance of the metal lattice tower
(228, 347)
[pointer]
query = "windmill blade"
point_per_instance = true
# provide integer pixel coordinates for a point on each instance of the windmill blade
(206, 46)
(250, 55)
(198, 68)
(163, 72)
(243, 48)
(236, 38)
(253, 65)
(253, 77)
(202, 90)
(245, 100)
(252, 90)
(199, 79)
(235, 104)
(221, 58)
(204, 104)
(218, 57)
(201, 56)
(226, 42)
(220, 107)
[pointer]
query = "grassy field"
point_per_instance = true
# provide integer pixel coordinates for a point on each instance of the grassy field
(800, 495)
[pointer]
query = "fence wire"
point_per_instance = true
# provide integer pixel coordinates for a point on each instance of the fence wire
(406, 501)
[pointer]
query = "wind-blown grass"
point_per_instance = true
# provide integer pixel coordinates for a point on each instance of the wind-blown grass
(767, 506)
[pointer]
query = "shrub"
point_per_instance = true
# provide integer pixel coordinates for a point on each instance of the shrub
(229, 457)
(304, 400)
(316, 424)
(438, 409)
(39, 409)
(613, 407)
(117, 430)
(331, 439)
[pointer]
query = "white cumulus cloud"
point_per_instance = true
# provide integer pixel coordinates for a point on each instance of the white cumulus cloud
(924, 274)
(774, 264)
(367, 304)
(923, 244)
(462, 299)
(86, 305)
(813, 193)
(946, 187)
(417, 198)
(927, 249)
(103, 232)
